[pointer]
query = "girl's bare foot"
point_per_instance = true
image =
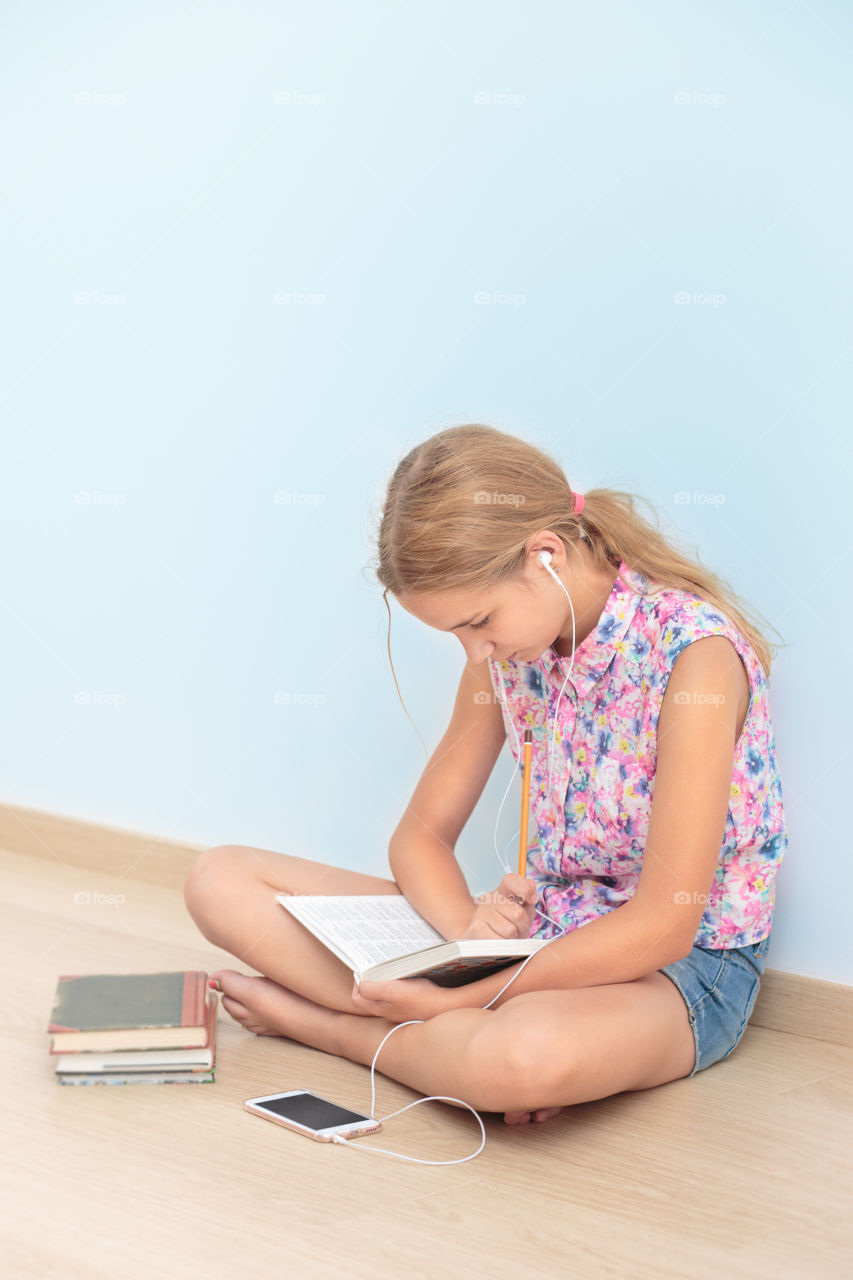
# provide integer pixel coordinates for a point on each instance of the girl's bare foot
(265, 1008)
(523, 1117)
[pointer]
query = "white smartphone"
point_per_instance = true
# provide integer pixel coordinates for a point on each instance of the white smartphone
(308, 1113)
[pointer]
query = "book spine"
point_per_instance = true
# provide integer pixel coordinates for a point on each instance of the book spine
(194, 1006)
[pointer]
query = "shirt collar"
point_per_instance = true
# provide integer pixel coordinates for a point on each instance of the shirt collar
(596, 651)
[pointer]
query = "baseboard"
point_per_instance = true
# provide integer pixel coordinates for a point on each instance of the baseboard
(804, 1007)
(787, 1002)
(92, 846)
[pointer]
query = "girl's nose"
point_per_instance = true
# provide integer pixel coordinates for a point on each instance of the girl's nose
(477, 651)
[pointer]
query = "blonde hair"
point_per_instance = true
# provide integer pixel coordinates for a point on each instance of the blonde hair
(460, 507)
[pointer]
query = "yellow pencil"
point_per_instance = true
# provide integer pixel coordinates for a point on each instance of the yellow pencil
(525, 803)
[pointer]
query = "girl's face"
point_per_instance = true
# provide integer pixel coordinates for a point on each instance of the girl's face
(517, 619)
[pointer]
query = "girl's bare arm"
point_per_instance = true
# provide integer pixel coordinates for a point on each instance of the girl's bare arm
(421, 850)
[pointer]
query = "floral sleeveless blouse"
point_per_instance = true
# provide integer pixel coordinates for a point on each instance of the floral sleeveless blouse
(591, 826)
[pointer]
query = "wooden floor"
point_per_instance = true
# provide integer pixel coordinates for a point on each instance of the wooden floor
(742, 1171)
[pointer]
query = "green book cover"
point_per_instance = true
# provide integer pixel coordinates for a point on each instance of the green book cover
(123, 1001)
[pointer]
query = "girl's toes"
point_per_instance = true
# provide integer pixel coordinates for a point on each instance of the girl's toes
(537, 1116)
(230, 982)
(237, 1010)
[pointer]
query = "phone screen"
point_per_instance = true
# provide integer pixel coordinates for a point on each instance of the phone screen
(313, 1112)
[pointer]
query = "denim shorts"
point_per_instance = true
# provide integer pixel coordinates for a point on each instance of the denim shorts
(720, 988)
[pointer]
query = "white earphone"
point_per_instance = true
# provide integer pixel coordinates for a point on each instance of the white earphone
(545, 557)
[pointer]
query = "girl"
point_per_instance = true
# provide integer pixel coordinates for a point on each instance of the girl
(656, 804)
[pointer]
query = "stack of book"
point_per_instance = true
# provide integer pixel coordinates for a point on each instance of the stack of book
(134, 1028)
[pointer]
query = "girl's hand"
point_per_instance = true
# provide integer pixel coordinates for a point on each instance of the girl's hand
(507, 912)
(400, 999)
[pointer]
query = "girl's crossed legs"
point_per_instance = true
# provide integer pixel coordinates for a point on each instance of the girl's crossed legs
(537, 1052)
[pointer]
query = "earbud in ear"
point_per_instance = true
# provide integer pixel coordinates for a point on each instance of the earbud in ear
(545, 557)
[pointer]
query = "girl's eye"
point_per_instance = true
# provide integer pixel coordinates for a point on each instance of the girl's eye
(475, 626)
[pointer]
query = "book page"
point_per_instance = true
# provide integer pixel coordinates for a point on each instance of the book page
(364, 929)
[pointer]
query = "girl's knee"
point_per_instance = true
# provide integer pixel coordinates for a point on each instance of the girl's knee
(517, 1062)
(208, 875)
(498, 1067)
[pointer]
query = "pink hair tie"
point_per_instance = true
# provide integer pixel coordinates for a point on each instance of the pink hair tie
(579, 501)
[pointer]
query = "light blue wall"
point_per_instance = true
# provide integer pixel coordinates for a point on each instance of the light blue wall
(188, 167)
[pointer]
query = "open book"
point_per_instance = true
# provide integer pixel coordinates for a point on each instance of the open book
(383, 936)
